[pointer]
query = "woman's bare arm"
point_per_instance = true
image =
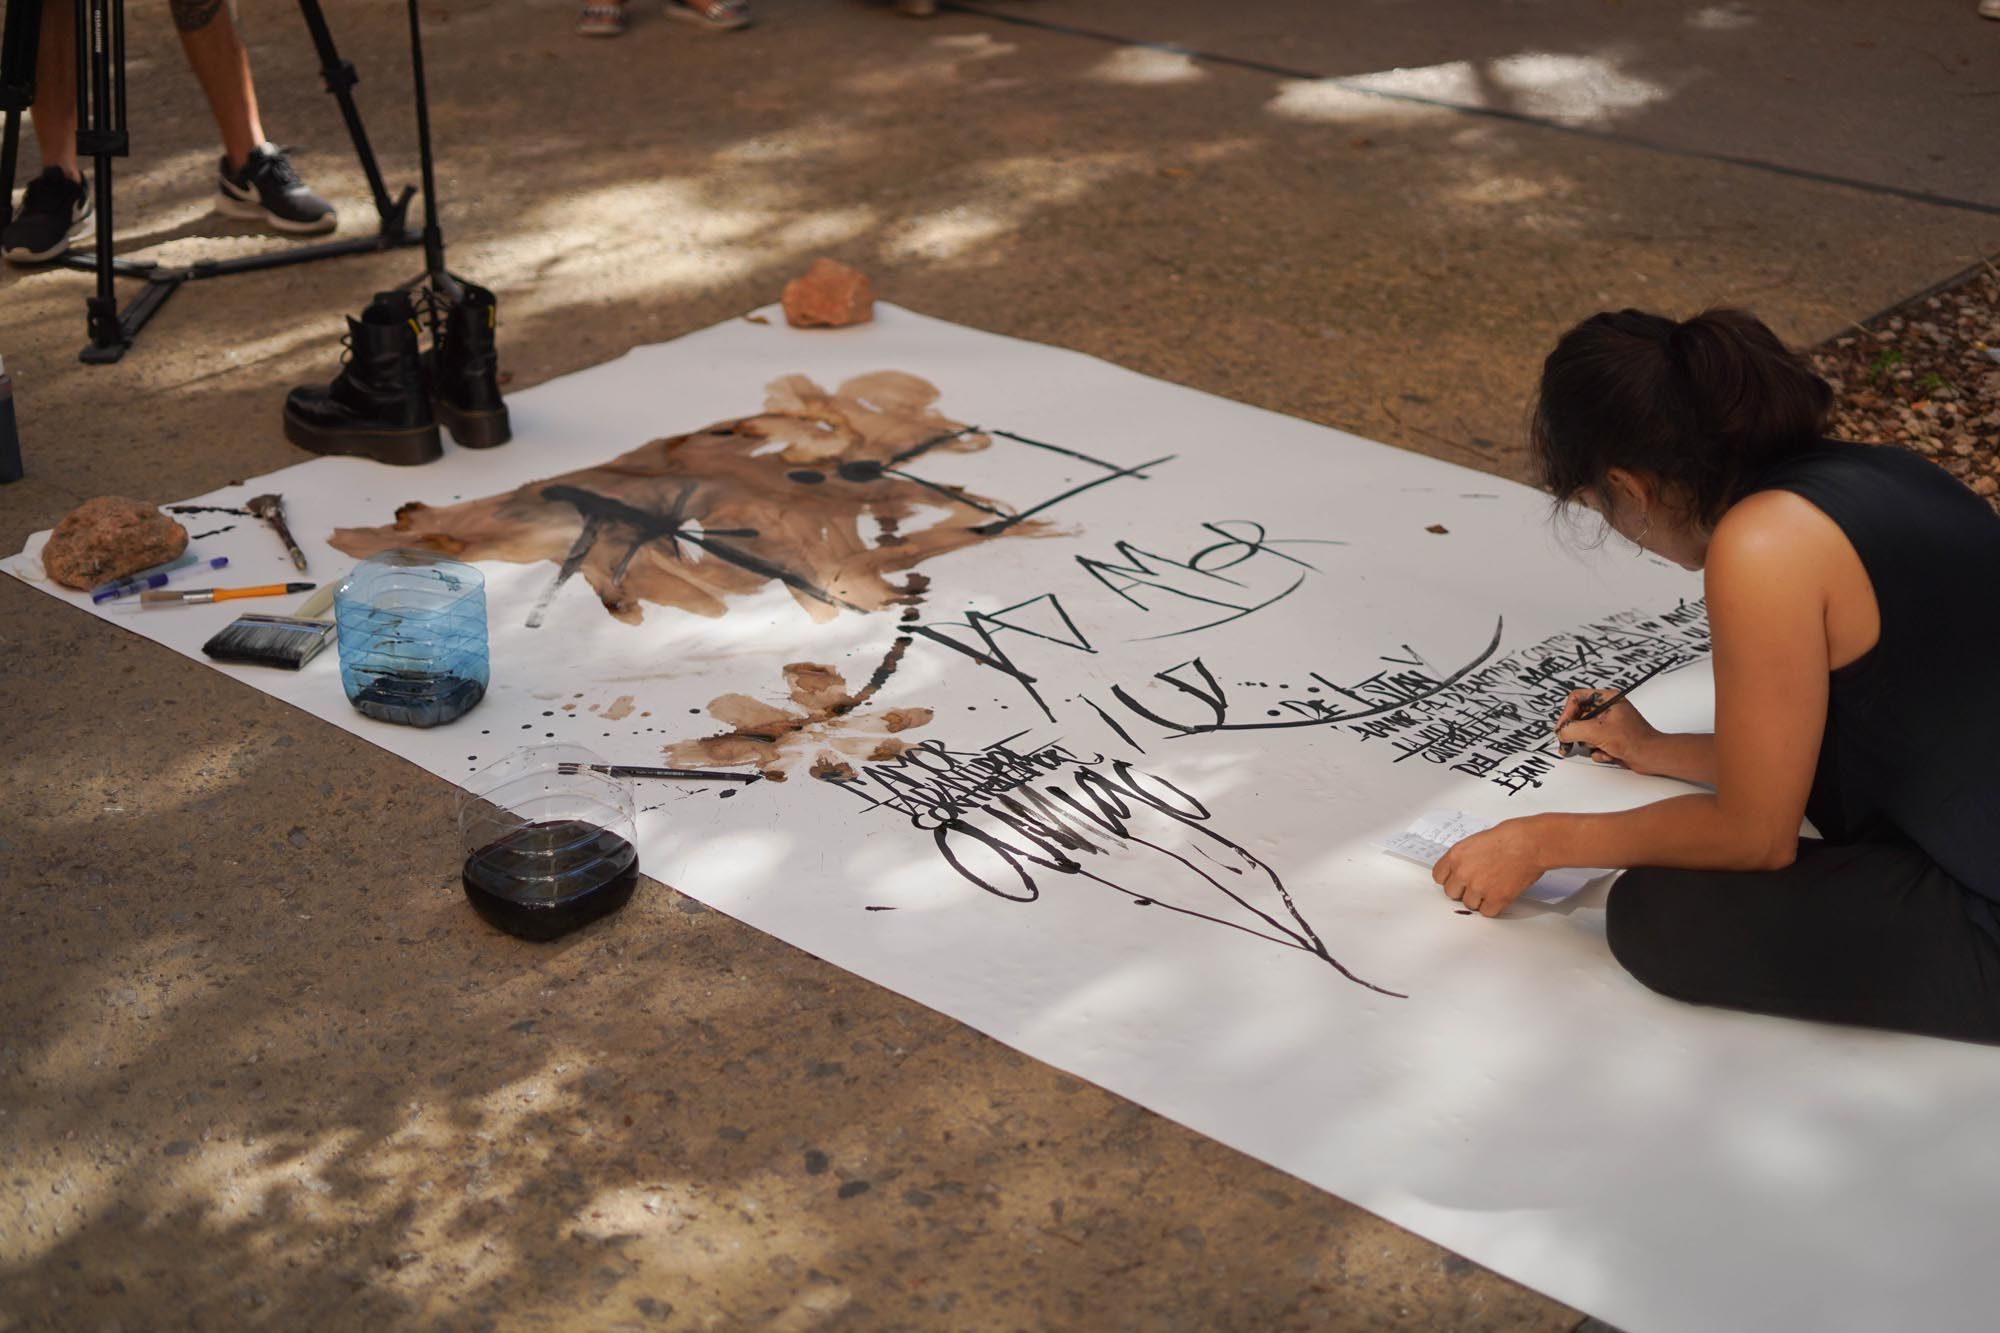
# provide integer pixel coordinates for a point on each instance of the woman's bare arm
(1687, 755)
(1767, 603)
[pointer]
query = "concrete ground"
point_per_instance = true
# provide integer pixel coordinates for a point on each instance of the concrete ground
(258, 1064)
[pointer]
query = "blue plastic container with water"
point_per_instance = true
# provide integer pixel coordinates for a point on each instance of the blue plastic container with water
(413, 637)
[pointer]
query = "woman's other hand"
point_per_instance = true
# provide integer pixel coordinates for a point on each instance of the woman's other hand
(1489, 870)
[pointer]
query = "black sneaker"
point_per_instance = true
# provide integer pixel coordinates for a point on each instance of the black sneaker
(269, 189)
(53, 208)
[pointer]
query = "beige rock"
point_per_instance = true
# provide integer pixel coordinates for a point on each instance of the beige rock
(831, 295)
(108, 538)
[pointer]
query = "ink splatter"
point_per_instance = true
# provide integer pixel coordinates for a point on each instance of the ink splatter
(693, 520)
(830, 767)
(825, 718)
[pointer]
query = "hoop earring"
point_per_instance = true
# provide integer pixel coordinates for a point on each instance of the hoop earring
(1645, 530)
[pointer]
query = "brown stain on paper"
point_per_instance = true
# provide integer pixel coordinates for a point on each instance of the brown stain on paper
(830, 767)
(620, 708)
(902, 719)
(690, 521)
(826, 717)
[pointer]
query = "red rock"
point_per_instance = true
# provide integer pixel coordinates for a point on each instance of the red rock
(829, 295)
(108, 538)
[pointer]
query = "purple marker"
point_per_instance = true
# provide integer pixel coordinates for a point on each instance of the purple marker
(111, 592)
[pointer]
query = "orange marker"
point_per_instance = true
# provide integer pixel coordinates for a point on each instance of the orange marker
(173, 597)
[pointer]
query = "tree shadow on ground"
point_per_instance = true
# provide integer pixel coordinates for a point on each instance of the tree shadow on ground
(262, 1067)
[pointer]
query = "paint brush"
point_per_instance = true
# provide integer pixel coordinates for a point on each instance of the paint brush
(196, 596)
(286, 642)
(271, 508)
(638, 771)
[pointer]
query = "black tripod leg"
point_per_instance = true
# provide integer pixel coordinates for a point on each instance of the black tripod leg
(340, 80)
(20, 48)
(441, 281)
(100, 135)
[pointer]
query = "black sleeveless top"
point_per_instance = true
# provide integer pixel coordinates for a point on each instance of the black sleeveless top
(1912, 745)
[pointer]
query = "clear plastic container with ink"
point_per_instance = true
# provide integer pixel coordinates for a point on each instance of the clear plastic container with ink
(413, 637)
(549, 840)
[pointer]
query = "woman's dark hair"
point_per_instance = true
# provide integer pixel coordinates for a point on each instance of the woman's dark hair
(1704, 405)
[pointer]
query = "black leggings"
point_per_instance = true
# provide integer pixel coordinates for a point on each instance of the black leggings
(1868, 933)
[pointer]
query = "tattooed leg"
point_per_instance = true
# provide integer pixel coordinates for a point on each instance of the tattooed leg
(194, 15)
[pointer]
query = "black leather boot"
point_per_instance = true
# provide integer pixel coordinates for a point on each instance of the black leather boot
(465, 372)
(378, 406)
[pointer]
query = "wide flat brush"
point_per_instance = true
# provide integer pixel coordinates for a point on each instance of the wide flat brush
(279, 641)
(286, 642)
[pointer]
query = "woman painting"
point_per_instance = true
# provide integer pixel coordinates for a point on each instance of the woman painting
(1854, 607)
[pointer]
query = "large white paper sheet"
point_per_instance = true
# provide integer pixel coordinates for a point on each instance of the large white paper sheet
(1304, 641)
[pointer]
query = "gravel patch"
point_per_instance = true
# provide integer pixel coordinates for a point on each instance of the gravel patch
(1926, 376)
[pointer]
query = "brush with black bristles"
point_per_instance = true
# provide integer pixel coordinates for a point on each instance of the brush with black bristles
(288, 642)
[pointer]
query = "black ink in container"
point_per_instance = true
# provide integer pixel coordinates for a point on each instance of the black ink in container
(549, 840)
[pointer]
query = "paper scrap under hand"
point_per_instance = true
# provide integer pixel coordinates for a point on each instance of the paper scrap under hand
(1435, 831)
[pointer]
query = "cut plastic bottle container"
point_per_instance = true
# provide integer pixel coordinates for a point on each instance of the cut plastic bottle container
(550, 843)
(413, 637)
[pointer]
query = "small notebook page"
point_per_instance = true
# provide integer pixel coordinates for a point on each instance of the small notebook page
(1432, 835)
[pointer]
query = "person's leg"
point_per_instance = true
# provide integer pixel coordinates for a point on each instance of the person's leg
(221, 65)
(1873, 934)
(256, 180)
(57, 202)
(55, 89)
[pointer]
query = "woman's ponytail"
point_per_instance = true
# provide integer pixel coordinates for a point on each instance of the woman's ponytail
(1704, 405)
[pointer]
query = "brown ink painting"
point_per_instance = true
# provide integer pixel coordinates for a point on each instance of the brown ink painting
(809, 493)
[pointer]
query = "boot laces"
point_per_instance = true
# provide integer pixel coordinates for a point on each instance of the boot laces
(428, 306)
